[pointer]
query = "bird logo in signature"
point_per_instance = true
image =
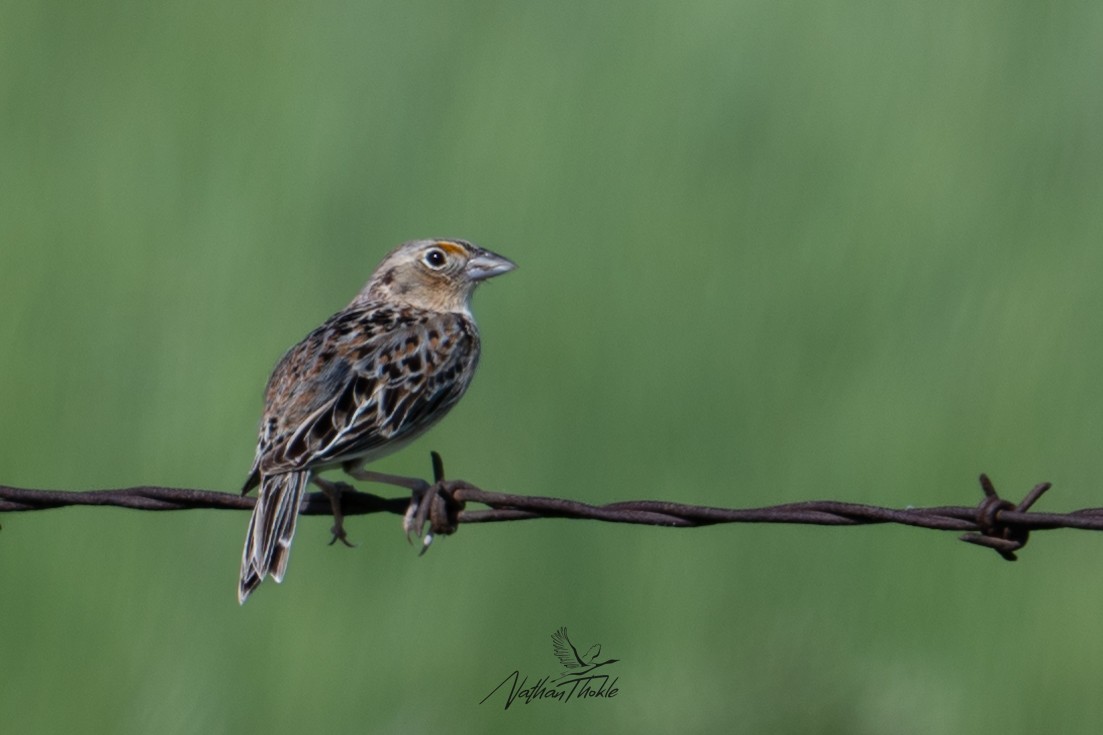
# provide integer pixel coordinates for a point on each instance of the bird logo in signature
(579, 665)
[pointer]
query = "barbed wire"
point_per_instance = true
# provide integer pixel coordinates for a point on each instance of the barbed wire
(995, 523)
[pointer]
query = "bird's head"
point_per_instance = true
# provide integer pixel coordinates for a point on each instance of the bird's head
(438, 275)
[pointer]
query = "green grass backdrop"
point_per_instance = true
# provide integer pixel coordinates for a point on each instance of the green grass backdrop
(768, 252)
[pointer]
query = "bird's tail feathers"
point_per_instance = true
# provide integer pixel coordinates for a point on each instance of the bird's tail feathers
(268, 541)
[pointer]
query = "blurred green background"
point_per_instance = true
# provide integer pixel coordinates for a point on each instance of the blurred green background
(768, 252)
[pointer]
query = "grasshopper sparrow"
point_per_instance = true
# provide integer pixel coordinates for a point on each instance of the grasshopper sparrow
(371, 379)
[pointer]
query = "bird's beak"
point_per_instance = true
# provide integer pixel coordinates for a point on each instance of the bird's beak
(486, 265)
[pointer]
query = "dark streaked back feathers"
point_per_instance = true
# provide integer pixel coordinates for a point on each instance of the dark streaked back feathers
(366, 381)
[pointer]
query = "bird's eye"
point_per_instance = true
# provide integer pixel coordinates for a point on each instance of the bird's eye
(435, 258)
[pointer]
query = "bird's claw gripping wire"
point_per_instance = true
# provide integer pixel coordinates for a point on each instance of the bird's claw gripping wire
(334, 491)
(433, 504)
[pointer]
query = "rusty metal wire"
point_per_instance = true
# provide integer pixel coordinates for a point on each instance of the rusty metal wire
(995, 523)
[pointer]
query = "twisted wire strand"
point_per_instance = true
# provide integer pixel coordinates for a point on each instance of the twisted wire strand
(996, 523)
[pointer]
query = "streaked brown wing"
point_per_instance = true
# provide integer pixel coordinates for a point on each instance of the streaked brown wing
(376, 379)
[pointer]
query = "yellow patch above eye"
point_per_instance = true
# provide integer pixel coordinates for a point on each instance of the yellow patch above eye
(451, 248)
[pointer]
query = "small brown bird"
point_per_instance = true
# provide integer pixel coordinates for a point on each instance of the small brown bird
(371, 379)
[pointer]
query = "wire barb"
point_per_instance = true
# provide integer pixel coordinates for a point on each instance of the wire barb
(437, 506)
(440, 508)
(994, 533)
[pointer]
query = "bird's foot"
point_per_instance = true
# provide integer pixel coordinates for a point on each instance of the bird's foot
(358, 472)
(333, 491)
(434, 505)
